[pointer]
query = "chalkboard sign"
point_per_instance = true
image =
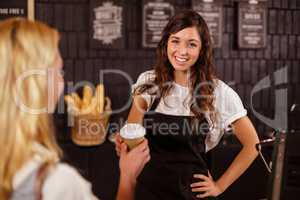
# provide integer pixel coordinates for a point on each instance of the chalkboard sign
(212, 12)
(106, 24)
(252, 23)
(17, 8)
(156, 14)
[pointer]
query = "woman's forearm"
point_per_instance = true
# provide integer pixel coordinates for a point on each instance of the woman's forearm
(239, 165)
(126, 188)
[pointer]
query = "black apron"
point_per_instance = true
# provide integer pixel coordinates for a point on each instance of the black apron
(177, 153)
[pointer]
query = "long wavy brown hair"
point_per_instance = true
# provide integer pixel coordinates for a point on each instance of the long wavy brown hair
(201, 73)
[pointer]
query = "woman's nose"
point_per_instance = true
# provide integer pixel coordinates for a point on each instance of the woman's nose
(183, 49)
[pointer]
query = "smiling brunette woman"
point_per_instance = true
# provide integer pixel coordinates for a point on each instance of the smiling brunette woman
(185, 110)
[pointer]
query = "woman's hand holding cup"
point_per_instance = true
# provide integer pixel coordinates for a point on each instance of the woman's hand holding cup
(132, 163)
(118, 143)
(132, 134)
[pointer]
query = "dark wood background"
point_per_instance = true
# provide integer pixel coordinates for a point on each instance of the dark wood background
(242, 69)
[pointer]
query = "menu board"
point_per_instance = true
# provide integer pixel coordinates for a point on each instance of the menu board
(17, 8)
(212, 12)
(156, 14)
(252, 23)
(106, 24)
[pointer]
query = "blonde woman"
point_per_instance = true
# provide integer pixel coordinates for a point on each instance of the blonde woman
(30, 85)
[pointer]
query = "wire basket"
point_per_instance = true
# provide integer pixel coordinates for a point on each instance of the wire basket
(89, 129)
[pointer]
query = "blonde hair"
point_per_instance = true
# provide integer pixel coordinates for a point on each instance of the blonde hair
(24, 45)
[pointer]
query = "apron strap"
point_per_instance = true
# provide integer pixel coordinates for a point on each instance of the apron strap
(155, 103)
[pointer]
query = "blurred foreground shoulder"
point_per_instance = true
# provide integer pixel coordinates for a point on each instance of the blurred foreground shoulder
(64, 182)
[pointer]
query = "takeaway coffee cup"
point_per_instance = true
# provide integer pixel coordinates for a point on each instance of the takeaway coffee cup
(132, 134)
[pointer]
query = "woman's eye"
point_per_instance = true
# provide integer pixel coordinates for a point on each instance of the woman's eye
(174, 41)
(192, 45)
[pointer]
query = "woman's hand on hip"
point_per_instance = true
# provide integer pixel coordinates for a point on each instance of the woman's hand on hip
(206, 186)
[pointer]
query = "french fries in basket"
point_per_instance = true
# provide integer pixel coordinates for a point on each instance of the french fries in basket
(87, 96)
(89, 104)
(92, 112)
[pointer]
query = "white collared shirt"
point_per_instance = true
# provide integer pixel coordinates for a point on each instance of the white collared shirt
(228, 105)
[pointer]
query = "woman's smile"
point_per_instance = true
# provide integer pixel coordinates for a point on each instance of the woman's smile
(181, 60)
